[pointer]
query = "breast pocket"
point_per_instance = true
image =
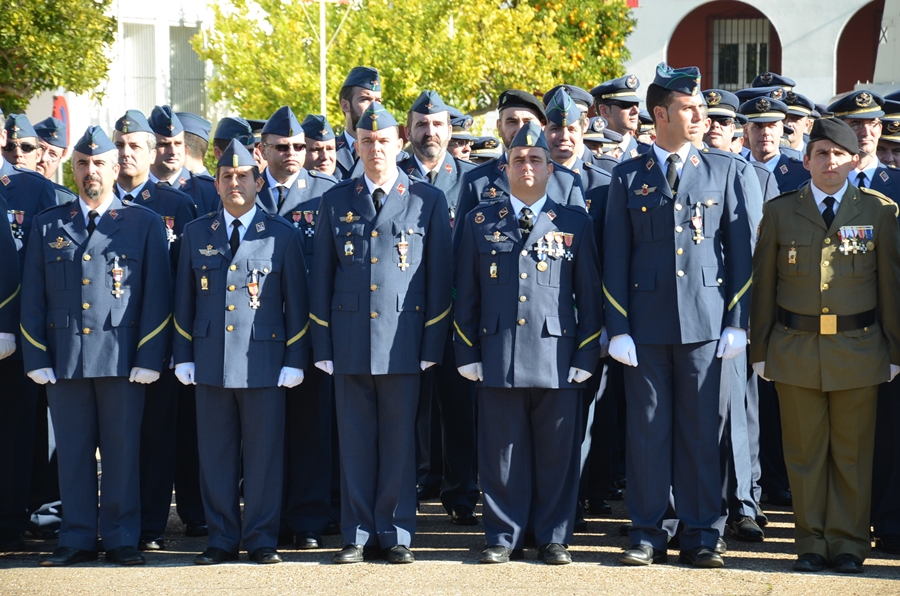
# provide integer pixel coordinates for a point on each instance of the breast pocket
(795, 254)
(650, 217)
(59, 265)
(496, 260)
(709, 206)
(206, 273)
(265, 270)
(350, 242)
(861, 264)
(123, 268)
(408, 242)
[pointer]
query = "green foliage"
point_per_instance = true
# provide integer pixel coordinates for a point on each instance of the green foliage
(46, 44)
(266, 53)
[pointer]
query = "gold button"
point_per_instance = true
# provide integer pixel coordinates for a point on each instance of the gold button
(230, 328)
(679, 251)
(85, 306)
(204, 267)
(793, 242)
(349, 234)
(230, 307)
(643, 208)
(373, 287)
(522, 298)
(484, 330)
(635, 285)
(828, 241)
(374, 260)
(374, 315)
(231, 288)
(678, 229)
(85, 282)
(86, 330)
(678, 207)
(524, 253)
(52, 325)
(719, 280)
(233, 267)
(521, 321)
(824, 263)
(524, 276)
(824, 286)
(273, 336)
(493, 252)
(864, 328)
(410, 231)
(265, 269)
(59, 258)
(374, 234)
(87, 257)
(680, 273)
(825, 310)
(417, 308)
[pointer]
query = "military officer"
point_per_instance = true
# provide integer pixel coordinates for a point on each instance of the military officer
(763, 133)
(646, 133)
(799, 118)
(196, 142)
(380, 315)
(617, 102)
(532, 359)
(668, 309)
(321, 148)
(461, 139)
(888, 150)
(361, 87)
(229, 128)
(95, 317)
(21, 147)
(242, 293)
(566, 125)
(53, 139)
(807, 328)
(169, 158)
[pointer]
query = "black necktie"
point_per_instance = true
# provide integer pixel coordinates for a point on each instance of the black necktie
(235, 240)
(828, 214)
(526, 222)
(672, 171)
(377, 195)
(861, 180)
(280, 196)
(92, 225)
(432, 176)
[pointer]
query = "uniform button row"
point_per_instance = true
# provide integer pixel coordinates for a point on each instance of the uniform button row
(85, 282)
(824, 286)
(824, 263)
(86, 330)
(679, 251)
(374, 234)
(524, 253)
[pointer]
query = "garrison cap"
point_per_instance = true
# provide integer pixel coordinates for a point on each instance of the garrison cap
(376, 118)
(890, 122)
(763, 109)
(195, 125)
(486, 147)
(19, 127)
(514, 98)
(52, 131)
(256, 125)
(363, 76)
(234, 127)
(562, 109)
(529, 135)
(684, 80)
(94, 142)
(769, 79)
(316, 128)
(860, 104)
(461, 124)
(133, 121)
(283, 123)
(164, 122)
(835, 130)
(798, 105)
(721, 103)
(236, 155)
(754, 92)
(429, 102)
(582, 98)
(621, 89)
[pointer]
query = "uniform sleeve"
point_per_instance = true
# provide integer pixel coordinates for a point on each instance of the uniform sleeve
(738, 247)
(10, 285)
(187, 212)
(438, 283)
(586, 281)
(616, 259)
(467, 308)
(156, 304)
(296, 304)
(467, 201)
(34, 304)
(753, 199)
(765, 279)
(576, 194)
(185, 305)
(889, 281)
(320, 292)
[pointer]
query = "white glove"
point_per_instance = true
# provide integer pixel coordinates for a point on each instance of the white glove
(290, 377)
(424, 364)
(185, 373)
(473, 371)
(604, 343)
(732, 343)
(7, 345)
(42, 376)
(760, 369)
(145, 376)
(577, 375)
(621, 347)
(894, 370)
(326, 366)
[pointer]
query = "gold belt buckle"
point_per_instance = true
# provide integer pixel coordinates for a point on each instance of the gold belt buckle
(828, 324)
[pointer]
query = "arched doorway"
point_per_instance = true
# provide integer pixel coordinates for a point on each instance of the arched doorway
(730, 41)
(858, 47)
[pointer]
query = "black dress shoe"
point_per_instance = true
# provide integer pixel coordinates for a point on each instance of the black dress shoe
(463, 516)
(597, 507)
(427, 493)
(151, 543)
(66, 555)
(701, 556)
(351, 553)
(847, 563)
(810, 563)
(721, 547)
(554, 554)
(781, 498)
(889, 543)
(495, 554)
(746, 529)
(196, 530)
(400, 554)
(615, 494)
(307, 540)
(332, 528)
(265, 555)
(643, 554)
(214, 555)
(125, 555)
(761, 519)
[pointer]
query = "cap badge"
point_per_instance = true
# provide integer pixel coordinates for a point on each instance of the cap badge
(864, 100)
(713, 98)
(631, 82)
(763, 105)
(766, 77)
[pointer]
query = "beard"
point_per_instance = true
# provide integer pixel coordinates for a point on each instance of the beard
(428, 147)
(92, 186)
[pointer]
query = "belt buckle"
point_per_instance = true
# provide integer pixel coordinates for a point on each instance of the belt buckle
(828, 324)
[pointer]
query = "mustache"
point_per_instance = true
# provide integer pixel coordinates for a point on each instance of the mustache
(90, 178)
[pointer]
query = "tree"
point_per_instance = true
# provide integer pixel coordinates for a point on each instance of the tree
(47, 44)
(265, 53)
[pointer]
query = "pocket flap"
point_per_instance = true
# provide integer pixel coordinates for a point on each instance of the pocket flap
(643, 279)
(560, 326)
(58, 318)
(268, 332)
(789, 239)
(262, 265)
(348, 301)
(489, 324)
(351, 229)
(119, 317)
(407, 229)
(712, 277)
(51, 255)
(413, 302)
(200, 328)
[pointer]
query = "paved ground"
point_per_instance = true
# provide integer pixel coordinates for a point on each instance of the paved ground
(446, 564)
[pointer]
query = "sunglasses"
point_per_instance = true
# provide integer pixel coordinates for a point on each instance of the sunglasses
(723, 121)
(23, 147)
(286, 147)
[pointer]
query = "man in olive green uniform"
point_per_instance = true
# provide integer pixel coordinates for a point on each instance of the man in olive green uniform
(826, 273)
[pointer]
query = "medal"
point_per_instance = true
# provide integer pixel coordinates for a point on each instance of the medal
(697, 222)
(403, 248)
(348, 248)
(170, 228)
(792, 256)
(296, 215)
(452, 216)
(204, 283)
(15, 223)
(253, 288)
(493, 270)
(117, 274)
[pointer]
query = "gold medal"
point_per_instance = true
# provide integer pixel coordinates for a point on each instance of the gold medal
(542, 266)
(792, 256)
(870, 245)
(493, 270)
(204, 283)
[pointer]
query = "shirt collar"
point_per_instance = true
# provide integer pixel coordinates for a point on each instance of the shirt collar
(245, 219)
(771, 164)
(819, 195)
(518, 205)
(869, 172)
(100, 209)
(134, 192)
(288, 185)
(386, 187)
(662, 155)
(423, 168)
(173, 181)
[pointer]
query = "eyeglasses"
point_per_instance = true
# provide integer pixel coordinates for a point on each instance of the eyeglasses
(23, 147)
(723, 121)
(286, 147)
(622, 105)
(459, 142)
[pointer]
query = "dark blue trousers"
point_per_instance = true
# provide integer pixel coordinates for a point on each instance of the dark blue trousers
(158, 453)
(734, 444)
(188, 500)
(886, 476)
(18, 406)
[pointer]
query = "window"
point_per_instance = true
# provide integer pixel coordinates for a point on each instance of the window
(186, 72)
(740, 52)
(139, 60)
